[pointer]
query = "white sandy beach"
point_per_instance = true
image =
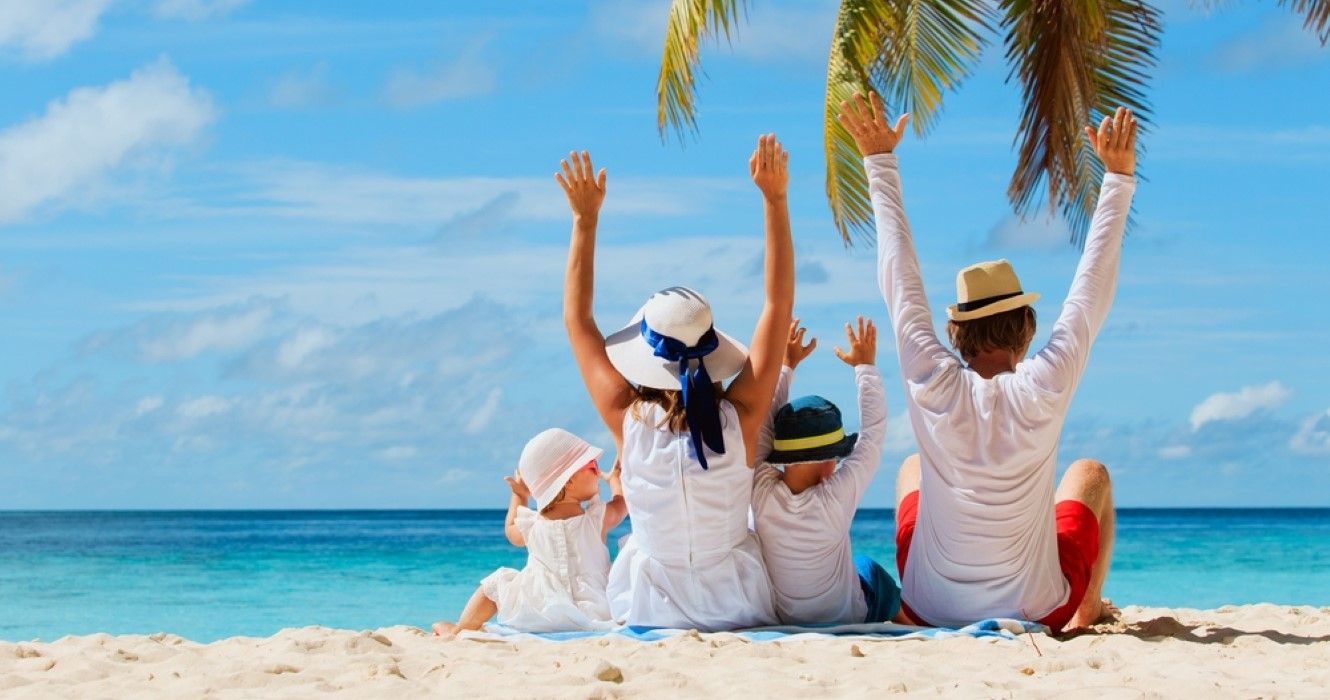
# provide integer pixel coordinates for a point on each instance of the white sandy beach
(1249, 651)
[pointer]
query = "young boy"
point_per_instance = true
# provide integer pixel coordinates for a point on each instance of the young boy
(802, 513)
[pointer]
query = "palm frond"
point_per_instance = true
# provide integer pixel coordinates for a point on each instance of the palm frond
(690, 22)
(910, 52)
(1315, 16)
(1075, 60)
(928, 47)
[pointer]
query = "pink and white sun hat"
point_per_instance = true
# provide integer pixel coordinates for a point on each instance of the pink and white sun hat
(550, 459)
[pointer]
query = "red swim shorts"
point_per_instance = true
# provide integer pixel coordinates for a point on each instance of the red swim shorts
(1078, 547)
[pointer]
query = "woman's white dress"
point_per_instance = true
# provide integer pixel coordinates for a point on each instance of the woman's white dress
(562, 587)
(691, 561)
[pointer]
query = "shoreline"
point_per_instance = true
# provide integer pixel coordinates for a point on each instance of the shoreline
(1261, 649)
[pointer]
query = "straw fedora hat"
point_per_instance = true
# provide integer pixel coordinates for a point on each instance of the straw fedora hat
(988, 288)
(681, 314)
(550, 459)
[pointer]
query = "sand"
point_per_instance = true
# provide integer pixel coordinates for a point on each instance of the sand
(1247, 651)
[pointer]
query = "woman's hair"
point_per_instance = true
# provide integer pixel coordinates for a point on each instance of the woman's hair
(671, 402)
(1009, 330)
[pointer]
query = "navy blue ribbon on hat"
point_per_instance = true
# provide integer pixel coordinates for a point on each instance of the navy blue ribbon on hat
(699, 397)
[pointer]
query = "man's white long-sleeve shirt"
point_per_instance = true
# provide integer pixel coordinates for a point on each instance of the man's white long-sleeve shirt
(985, 543)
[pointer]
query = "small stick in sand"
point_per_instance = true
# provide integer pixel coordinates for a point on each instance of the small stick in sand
(1030, 635)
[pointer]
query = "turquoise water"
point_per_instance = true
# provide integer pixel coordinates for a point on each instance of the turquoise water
(209, 575)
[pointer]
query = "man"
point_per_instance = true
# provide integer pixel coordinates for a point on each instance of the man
(980, 530)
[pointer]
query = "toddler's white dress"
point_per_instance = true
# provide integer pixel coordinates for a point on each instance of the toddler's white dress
(562, 587)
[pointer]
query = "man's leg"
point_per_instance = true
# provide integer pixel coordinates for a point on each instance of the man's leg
(907, 480)
(1087, 481)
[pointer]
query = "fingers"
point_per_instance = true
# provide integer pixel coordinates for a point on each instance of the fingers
(812, 345)
(1120, 127)
(567, 189)
(1092, 136)
(862, 109)
(900, 124)
(600, 179)
(568, 170)
(879, 112)
(841, 354)
(862, 331)
(1102, 137)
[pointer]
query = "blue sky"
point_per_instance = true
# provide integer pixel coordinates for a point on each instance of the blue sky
(309, 254)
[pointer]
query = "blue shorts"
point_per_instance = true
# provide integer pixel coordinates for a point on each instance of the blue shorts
(880, 590)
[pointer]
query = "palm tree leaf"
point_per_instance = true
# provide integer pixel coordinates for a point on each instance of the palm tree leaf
(928, 46)
(910, 52)
(690, 22)
(1076, 60)
(1315, 14)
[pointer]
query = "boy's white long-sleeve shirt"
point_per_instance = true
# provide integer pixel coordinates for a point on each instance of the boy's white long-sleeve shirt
(985, 543)
(806, 536)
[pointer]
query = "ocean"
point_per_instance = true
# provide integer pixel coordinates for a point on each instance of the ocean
(208, 575)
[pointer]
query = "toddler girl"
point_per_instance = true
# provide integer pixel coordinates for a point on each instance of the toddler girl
(562, 587)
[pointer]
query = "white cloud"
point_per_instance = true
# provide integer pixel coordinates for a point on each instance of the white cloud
(900, 436)
(203, 407)
(397, 453)
(346, 195)
(93, 130)
(44, 29)
(148, 404)
(296, 349)
(482, 416)
(1175, 452)
(297, 89)
(468, 75)
(196, 10)
(1234, 406)
(1278, 44)
(225, 330)
(1041, 232)
(453, 476)
(1313, 436)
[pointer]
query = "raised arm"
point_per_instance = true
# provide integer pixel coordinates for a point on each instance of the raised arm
(751, 391)
(898, 274)
(609, 391)
(521, 496)
(1058, 367)
(795, 352)
(617, 508)
(856, 472)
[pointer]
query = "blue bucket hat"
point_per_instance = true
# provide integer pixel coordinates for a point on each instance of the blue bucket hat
(809, 429)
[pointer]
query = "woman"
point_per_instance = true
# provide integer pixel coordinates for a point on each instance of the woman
(686, 443)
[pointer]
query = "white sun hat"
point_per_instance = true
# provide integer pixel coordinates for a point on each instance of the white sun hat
(550, 459)
(988, 288)
(676, 313)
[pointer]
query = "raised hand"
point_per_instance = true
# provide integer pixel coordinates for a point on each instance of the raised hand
(866, 121)
(585, 191)
(1115, 142)
(769, 168)
(519, 487)
(795, 350)
(863, 344)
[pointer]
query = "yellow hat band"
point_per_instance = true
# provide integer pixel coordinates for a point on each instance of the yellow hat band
(809, 443)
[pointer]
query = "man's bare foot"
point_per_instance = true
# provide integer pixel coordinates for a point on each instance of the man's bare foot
(446, 629)
(1093, 614)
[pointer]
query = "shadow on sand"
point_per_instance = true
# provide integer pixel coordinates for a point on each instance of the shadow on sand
(1200, 633)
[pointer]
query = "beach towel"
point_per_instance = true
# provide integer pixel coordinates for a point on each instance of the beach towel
(997, 628)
